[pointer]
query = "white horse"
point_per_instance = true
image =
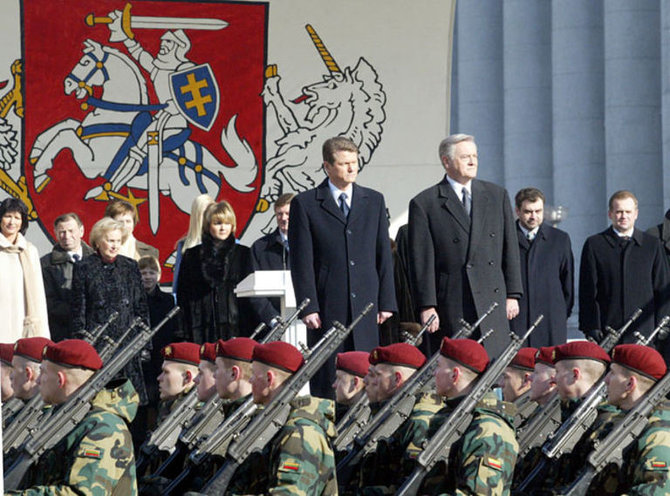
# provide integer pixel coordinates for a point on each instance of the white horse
(184, 173)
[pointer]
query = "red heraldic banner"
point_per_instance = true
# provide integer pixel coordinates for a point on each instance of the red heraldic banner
(153, 102)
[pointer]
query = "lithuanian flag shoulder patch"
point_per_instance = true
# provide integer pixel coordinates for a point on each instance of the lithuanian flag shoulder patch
(494, 463)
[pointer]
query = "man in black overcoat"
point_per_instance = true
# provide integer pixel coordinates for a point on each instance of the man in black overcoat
(622, 269)
(270, 252)
(464, 252)
(547, 272)
(57, 269)
(341, 256)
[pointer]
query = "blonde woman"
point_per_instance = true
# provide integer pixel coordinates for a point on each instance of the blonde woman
(105, 282)
(193, 236)
(23, 304)
(209, 274)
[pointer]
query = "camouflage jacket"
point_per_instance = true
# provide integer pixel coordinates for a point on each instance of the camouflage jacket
(645, 468)
(96, 458)
(482, 461)
(383, 471)
(299, 460)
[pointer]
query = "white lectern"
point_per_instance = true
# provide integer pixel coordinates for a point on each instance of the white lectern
(273, 284)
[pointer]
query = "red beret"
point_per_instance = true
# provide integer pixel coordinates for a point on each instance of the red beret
(7, 351)
(642, 359)
(280, 355)
(580, 350)
(208, 352)
(403, 354)
(467, 352)
(545, 355)
(31, 348)
(182, 352)
(236, 348)
(524, 359)
(353, 362)
(73, 353)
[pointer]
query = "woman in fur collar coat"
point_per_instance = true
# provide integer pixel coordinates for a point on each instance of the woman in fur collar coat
(208, 275)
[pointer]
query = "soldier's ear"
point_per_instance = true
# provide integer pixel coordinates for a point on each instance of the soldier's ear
(398, 378)
(576, 373)
(631, 385)
(271, 377)
(236, 372)
(62, 380)
(526, 379)
(30, 373)
(455, 374)
(188, 376)
(356, 381)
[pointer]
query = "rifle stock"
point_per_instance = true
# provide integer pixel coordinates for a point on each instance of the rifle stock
(439, 446)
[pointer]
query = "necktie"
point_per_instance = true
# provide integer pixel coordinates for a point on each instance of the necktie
(467, 203)
(530, 236)
(75, 258)
(343, 204)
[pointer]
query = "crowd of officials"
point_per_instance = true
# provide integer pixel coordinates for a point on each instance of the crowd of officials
(461, 252)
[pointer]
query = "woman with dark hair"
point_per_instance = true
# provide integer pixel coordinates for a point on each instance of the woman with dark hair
(23, 304)
(105, 282)
(208, 275)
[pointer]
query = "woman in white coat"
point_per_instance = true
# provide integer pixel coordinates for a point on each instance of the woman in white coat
(23, 304)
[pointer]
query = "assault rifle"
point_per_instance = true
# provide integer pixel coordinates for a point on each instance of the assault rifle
(186, 424)
(548, 419)
(570, 432)
(262, 429)
(31, 415)
(68, 415)
(396, 410)
(610, 450)
(359, 413)
(454, 427)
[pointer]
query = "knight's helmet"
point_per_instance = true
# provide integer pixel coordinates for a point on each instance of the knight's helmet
(179, 37)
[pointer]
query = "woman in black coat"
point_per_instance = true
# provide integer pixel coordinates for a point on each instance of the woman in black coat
(106, 282)
(208, 275)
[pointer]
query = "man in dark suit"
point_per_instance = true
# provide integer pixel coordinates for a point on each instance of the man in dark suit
(271, 251)
(340, 256)
(464, 250)
(547, 272)
(57, 272)
(622, 269)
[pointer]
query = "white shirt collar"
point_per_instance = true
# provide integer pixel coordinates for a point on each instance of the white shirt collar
(628, 233)
(337, 192)
(458, 187)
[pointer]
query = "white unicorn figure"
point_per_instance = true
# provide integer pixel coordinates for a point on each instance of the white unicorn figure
(96, 142)
(347, 102)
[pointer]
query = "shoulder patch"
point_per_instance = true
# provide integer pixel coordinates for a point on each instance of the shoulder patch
(291, 465)
(90, 453)
(494, 463)
(656, 465)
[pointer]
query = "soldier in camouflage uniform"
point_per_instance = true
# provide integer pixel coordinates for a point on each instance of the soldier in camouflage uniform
(515, 384)
(542, 391)
(482, 461)
(381, 472)
(10, 404)
(351, 367)
(299, 460)
(96, 458)
(177, 377)
(645, 468)
(579, 366)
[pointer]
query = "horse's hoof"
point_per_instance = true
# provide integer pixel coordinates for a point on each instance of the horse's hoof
(97, 193)
(262, 205)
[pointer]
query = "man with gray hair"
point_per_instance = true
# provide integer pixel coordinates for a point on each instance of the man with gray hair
(57, 272)
(464, 252)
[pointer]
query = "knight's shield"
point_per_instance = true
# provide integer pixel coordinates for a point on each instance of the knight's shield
(196, 95)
